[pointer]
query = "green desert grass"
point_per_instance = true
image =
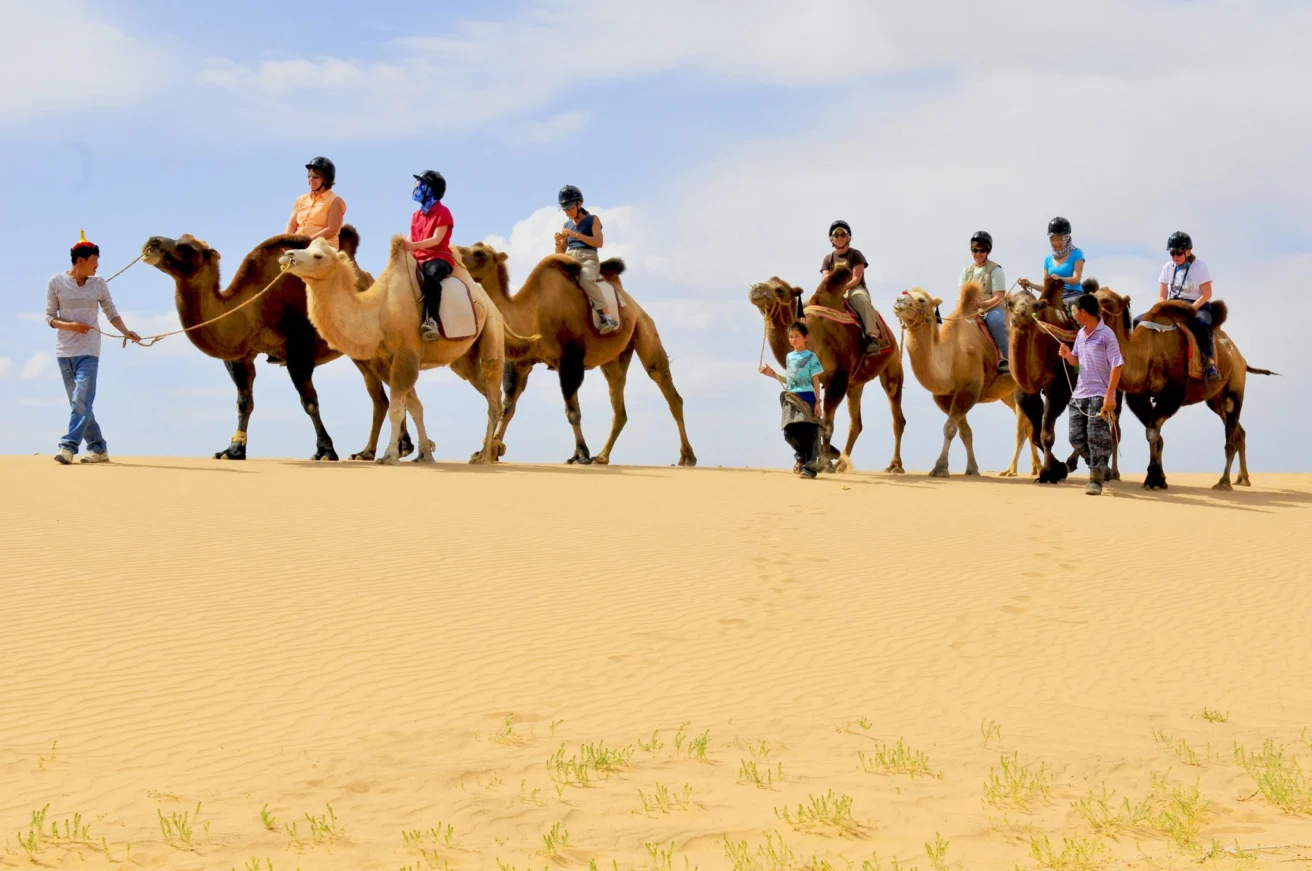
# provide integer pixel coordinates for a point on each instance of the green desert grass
(831, 811)
(896, 759)
(323, 829)
(1015, 785)
(1176, 811)
(1212, 716)
(1180, 749)
(428, 843)
(179, 829)
(990, 732)
(664, 800)
(1076, 854)
(555, 841)
(1278, 775)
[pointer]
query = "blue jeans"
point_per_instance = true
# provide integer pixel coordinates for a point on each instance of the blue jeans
(996, 321)
(80, 385)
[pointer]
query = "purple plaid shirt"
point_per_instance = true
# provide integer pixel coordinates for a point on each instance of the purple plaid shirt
(1099, 353)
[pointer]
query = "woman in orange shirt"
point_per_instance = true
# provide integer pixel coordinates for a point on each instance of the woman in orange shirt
(318, 214)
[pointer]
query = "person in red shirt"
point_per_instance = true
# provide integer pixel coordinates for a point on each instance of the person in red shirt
(430, 242)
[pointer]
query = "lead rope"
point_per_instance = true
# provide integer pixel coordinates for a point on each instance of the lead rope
(147, 341)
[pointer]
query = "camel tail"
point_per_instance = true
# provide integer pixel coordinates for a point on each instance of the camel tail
(518, 347)
(1255, 371)
(612, 268)
(348, 240)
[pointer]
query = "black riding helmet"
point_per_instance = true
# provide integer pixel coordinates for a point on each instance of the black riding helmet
(982, 237)
(569, 195)
(325, 168)
(840, 225)
(1059, 227)
(435, 182)
(1179, 239)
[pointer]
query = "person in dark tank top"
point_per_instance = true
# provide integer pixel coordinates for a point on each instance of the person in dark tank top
(580, 238)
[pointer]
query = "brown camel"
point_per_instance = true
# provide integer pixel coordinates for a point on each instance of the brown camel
(552, 305)
(839, 347)
(1045, 381)
(382, 325)
(277, 325)
(958, 365)
(1156, 382)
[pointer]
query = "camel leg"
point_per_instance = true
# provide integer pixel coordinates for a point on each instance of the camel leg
(571, 378)
(242, 373)
(835, 390)
(300, 366)
(854, 391)
(1155, 416)
(1021, 437)
(956, 409)
(491, 365)
(1055, 400)
(617, 374)
(401, 379)
(1029, 414)
(1115, 473)
(374, 373)
(891, 380)
(513, 381)
(968, 439)
(647, 342)
(415, 409)
(1036, 463)
(1227, 406)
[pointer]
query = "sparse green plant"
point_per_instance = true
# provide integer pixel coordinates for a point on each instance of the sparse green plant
(554, 724)
(831, 810)
(324, 827)
(662, 858)
(938, 852)
(1018, 830)
(1181, 749)
(427, 843)
(530, 797)
(591, 759)
(654, 745)
(555, 842)
(492, 784)
(698, 746)
(1105, 817)
(855, 727)
(680, 736)
(30, 841)
(1240, 859)
(663, 800)
(507, 734)
(990, 731)
(874, 863)
(254, 865)
(179, 829)
(1279, 777)
(43, 759)
(897, 759)
(1077, 854)
(1016, 785)
(1178, 812)
(1212, 716)
(760, 775)
(269, 821)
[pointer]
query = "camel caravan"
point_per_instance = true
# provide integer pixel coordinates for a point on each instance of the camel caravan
(300, 298)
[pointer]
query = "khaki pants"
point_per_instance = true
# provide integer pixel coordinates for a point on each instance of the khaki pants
(859, 299)
(589, 276)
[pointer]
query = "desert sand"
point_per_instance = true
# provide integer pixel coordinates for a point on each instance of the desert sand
(534, 666)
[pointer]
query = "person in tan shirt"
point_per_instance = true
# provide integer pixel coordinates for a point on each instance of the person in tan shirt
(318, 214)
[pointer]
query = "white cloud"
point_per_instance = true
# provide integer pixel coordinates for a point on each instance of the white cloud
(36, 365)
(64, 56)
(6, 367)
(552, 129)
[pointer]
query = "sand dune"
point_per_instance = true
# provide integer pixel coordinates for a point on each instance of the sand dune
(412, 646)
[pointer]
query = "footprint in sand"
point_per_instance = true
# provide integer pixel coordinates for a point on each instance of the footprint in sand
(731, 621)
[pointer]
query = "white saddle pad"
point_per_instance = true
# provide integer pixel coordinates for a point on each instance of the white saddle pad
(455, 313)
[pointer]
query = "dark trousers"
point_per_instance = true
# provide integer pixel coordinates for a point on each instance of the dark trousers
(804, 439)
(434, 272)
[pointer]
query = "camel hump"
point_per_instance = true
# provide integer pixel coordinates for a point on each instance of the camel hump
(1182, 312)
(348, 240)
(970, 294)
(1219, 312)
(612, 268)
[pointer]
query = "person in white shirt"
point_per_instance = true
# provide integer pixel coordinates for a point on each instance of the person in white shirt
(74, 300)
(1187, 279)
(994, 284)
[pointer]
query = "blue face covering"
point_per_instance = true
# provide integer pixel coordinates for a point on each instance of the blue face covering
(424, 196)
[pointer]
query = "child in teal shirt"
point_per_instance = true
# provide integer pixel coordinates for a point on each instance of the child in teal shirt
(800, 400)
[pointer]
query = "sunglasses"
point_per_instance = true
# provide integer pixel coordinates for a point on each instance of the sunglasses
(1178, 252)
(979, 250)
(839, 235)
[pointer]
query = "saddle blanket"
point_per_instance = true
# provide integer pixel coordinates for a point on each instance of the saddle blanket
(455, 313)
(1196, 370)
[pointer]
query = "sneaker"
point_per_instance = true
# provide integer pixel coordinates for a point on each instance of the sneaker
(1212, 374)
(1094, 487)
(871, 345)
(1003, 367)
(93, 457)
(64, 457)
(429, 331)
(808, 471)
(607, 324)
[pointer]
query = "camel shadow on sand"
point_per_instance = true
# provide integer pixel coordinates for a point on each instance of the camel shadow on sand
(454, 466)
(1240, 499)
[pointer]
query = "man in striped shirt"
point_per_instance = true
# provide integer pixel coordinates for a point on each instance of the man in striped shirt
(73, 303)
(1098, 355)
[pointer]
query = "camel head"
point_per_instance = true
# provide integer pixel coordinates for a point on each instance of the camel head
(1115, 308)
(915, 307)
(775, 297)
(1022, 306)
(486, 264)
(317, 261)
(184, 257)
